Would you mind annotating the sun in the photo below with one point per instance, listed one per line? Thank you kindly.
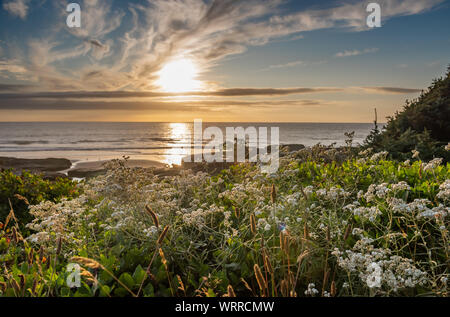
(179, 76)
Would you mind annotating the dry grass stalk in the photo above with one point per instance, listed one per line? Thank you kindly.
(237, 212)
(281, 241)
(87, 275)
(163, 235)
(181, 285)
(22, 281)
(347, 232)
(31, 256)
(163, 258)
(268, 265)
(302, 256)
(299, 263)
(253, 224)
(92, 264)
(246, 285)
(14, 235)
(34, 286)
(59, 246)
(153, 215)
(306, 232)
(273, 194)
(230, 292)
(284, 288)
(2, 287)
(10, 216)
(15, 285)
(20, 197)
(333, 289)
(325, 280)
(260, 278)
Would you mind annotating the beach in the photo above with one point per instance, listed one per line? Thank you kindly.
(61, 167)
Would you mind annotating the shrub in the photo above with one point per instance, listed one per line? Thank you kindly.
(30, 189)
(423, 125)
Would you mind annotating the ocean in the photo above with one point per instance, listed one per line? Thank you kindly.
(162, 142)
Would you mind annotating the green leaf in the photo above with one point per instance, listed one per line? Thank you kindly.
(127, 279)
(139, 274)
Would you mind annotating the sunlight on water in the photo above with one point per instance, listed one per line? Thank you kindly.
(180, 133)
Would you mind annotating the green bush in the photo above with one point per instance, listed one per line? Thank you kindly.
(30, 189)
(423, 125)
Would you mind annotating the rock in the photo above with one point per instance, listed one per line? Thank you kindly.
(35, 165)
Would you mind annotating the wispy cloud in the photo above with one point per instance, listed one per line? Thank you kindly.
(158, 105)
(348, 53)
(231, 92)
(17, 8)
(390, 90)
(162, 30)
(290, 64)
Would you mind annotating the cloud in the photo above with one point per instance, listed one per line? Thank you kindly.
(163, 30)
(291, 64)
(13, 87)
(17, 8)
(390, 90)
(156, 105)
(348, 53)
(12, 69)
(98, 19)
(230, 92)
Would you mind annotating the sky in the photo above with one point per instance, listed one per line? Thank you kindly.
(218, 60)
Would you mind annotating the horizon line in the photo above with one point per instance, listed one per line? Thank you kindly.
(275, 122)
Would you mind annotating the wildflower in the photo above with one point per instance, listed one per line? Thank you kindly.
(447, 147)
(401, 186)
(379, 156)
(311, 290)
(267, 227)
(444, 190)
(432, 164)
(374, 278)
(415, 154)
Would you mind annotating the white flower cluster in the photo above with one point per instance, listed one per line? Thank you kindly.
(333, 193)
(376, 191)
(366, 152)
(312, 291)
(444, 190)
(400, 186)
(432, 165)
(366, 213)
(379, 156)
(54, 220)
(199, 216)
(378, 267)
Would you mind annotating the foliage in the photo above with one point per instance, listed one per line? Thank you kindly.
(422, 125)
(25, 189)
(364, 227)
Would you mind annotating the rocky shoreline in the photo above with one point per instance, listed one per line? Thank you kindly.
(52, 168)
